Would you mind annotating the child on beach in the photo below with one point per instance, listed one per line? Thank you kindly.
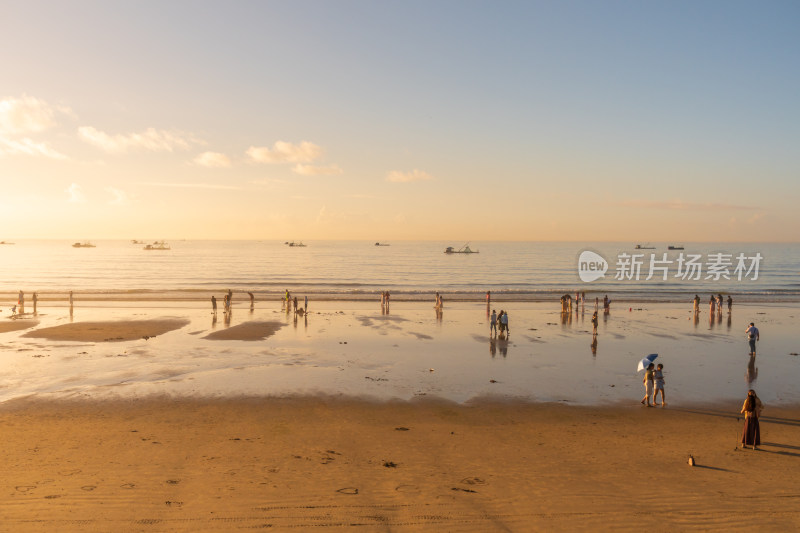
(658, 377)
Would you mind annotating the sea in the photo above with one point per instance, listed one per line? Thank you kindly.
(192, 270)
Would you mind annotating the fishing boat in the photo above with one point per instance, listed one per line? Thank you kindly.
(4, 242)
(85, 244)
(463, 250)
(644, 247)
(296, 244)
(157, 245)
(673, 247)
(381, 244)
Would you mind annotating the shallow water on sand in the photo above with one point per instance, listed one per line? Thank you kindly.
(356, 349)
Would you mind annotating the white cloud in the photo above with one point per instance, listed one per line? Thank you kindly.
(212, 160)
(120, 196)
(315, 170)
(679, 205)
(405, 177)
(75, 194)
(19, 116)
(27, 146)
(285, 152)
(151, 139)
(193, 186)
(24, 116)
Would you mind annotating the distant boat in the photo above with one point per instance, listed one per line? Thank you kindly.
(85, 244)
(157, 245)
(4, 242)
(295, 244)
(463, 250)
(671, 247)
(134, 241)
(381, 244)
(644, 247)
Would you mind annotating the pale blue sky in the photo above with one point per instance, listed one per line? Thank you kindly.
(674, 121)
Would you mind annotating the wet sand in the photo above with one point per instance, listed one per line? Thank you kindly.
(108, 331)
(344, 464)
(7, 326)
(248, 331)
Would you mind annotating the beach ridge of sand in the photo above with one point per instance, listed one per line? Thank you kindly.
(109, 331)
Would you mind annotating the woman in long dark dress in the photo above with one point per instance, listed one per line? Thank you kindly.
(751, 434)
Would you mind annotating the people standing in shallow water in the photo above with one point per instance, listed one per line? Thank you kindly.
(752, 337)
(493, 323)
(730, 303)
(504, 322)
(214, 304)
(752, 407)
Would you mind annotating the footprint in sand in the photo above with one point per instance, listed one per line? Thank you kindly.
(88, 488)
(25, 488)
(69, 472)
(348, 490)
(128, 486)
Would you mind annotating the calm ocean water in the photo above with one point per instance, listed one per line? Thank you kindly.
(523, 271)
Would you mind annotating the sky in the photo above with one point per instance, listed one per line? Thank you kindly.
(423, 120)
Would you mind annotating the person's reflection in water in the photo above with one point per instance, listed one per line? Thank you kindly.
(227, 318)
(492, 347)
(752, 371)
(502, 344)
(729, 321)
(305, 320)
(696, 320)
(594, 344)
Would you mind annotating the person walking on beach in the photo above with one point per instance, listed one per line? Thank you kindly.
(305, 303)
(214, 304)
(696, 303)
(493, 323)
(594, 323)
(658, 378)
(294, 301)
(711, 304)
(752, 407)
(730, 303)
(252, 299)
(35, 301)
(606, 304)
(648, 384)
(70, 303)
(504, 322)
(752, 337)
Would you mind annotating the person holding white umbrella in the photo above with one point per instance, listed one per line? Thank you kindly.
(648, 377)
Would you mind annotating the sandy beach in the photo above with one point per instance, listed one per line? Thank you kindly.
(344, 464)
(355, 417)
